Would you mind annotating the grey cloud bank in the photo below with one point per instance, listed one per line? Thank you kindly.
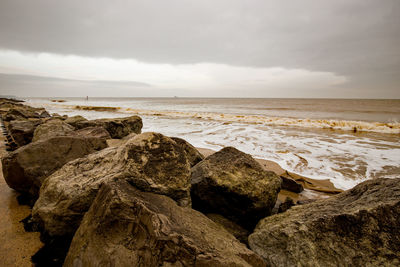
(359, 39)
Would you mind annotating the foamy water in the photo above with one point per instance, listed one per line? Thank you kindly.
(335, 139)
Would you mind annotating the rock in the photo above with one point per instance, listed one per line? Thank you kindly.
(291, 185)
(236, 230)
(117, 127)
(22, 130)
(287, 204)
(359, 227)
(126, 227)
(26, 168)
(129, 136)
(73, 121)
(52, 128)
(121, 127)
(194, 156)
(233, 184)
(44, 114)
(21, 112)
(150, 161)
(99, 132)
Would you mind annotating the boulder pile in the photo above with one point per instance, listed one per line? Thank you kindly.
(128, 227)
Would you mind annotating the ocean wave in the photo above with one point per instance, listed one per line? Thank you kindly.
(345, 125)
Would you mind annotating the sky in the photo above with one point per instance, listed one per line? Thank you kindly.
(187, 48)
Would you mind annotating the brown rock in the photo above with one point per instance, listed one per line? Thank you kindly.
(26, 168)
(74, 120)
(117, 127)
(194, 156)
(236, 230)
(150, 161)
(359, 227)
(233, 184)
(291, 185)
(99, 132)
(52, 128)
(22, 130)
(21, 112)
(126, 227)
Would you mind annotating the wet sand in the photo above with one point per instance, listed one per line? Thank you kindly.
(16, 245)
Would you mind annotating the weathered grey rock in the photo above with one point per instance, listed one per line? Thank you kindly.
(233, 184)
(74, 120)
(126, 227)
(194, 156)
(99, 132)
(22, 130)
(26, 168)
(236, 230)
(359, 227)
(52, 128)
(150, 161)
(117, 127)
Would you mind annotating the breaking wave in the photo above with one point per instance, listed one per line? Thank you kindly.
(345, 125)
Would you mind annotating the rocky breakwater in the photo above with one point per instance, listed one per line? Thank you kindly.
(127, 227)
(26, 168)
(139, 194)
(25, 124)
(149, 161)
(359, 227)
(44, 143)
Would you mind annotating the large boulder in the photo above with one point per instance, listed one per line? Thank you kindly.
(360, 227)
(233, 184)
(26, 168)
(117, 127)
(22, 130)
(194, 156)
(21, 112)
(74, 120)
(99, 132)
(52, 128)
(236, 230)
(150, 161)
(126, 227)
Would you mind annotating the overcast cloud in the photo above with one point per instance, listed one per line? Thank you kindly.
(294, 48)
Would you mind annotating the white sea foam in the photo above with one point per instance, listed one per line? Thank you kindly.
(345, 125)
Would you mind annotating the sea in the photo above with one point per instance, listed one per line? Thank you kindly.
(344, 140)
